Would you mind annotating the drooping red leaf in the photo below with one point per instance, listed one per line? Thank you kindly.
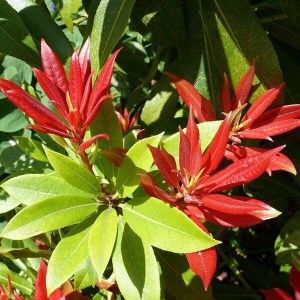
(243, 89)
(76, 82)
(40, 285)
(53, 68)
(103, 82)
(276, 294)
(51, 91)
(225, 96)
(202, 107)
(260, 105)
(277, 114)
(115, 155)
(279, 162)
(295, 280)
(165, 165)
(93, 139)
(48, 130)
(240, 172)
(279, 127)
(192, 134)
(215, 152)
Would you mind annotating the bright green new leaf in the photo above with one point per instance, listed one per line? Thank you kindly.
(31, 188)
(31, 147)
(17, 281)
(135, 266)
(138, 160)
(7, 203)
(85, 275)
(49, 214)
(110, 21)
(165, 227)
(102, 239)
(68, 256)
(207, 132)
(72, 172)
(69, 7)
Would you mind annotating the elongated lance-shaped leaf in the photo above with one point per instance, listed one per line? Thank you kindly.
(72, 172)
(102, 239)
(68, 255)
(110, 21)
(240, 172)
(138, 160)
(243, 89)
(276, 293)
(135, 266)
(49, 214)
(225, 95)
(177, 233)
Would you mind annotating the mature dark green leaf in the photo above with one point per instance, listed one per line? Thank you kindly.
(179, 280)
(49, 214)
(43, 26)
(161, 105)
(135, 266)
(15, 39)
(165, 227)
(70, 253)
(17, 281)
(73, 173)
(164, 19)
(69, 7)
(291, 7)
(102, 239)
(31, 188)
(138, 160)
(109, 25)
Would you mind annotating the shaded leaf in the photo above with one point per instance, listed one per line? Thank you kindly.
(69, 7)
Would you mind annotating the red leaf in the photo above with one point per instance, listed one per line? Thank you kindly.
(260, 105)
(240, 172)
(76, 82)
(202, 107)
(84, 60)
(277, 114)
(40, 285)
(115, 155)
(53, 68)
(166, 165)
(86, 96)
(192, 134)
(279, 127)
(253, 134)
(225, 96)
(52, 92)
(215, 152)
(295, 280)
(184, 153)
(91, 141)
(279, 162)
(48, 130)
(18, 297)
(103, 82)
(243, 88)
(276, 294)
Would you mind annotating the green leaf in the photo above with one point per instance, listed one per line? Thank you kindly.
(179, 280)
(31, 188)
(291, 7)
(43, 26)
(31, 147)
(102, 239)
(162, 104)
(7, 203)
(107, 122)
(69, 7)
(23, 253)
(72, 172)
(138, 160)
(15, 39)
(68, 255)
(85, 275)
(135, 266)
(165, 227)
(17, 281)
(49, 214)
(110, 21)
(207, 132)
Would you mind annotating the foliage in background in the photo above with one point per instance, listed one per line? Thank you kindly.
(197, 40)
